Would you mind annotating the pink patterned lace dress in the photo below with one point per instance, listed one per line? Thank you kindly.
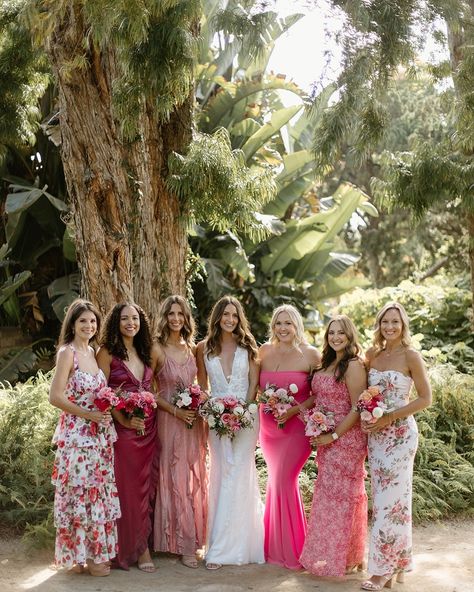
(285, 451)
(181, 496)
(86, 503)
(337, 527)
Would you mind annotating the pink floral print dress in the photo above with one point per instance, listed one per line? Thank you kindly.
(86, 503)
(391, 456)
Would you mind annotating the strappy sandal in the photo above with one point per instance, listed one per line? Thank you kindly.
(386, 581)
(213, 566)
(189, 561)
(147, 567)
(98, 570)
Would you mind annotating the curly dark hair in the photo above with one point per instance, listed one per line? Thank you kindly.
(111, 338)
(244, 338)
(352, 351)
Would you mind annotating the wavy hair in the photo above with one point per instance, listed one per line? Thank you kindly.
(296, 320)
(189, 326)
(112, 340)
(242, 331)
(378, 340)
(351, 351)
(76, 308)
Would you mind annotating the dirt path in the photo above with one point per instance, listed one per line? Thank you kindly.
(444, 556)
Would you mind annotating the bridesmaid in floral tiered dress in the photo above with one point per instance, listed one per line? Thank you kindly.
(393, 440)
(337, 527)
(125, 357)
(86, 501)
(181, 498)
(285, 359)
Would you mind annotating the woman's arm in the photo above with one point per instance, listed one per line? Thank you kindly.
(201, 366)
(356, 382)
(104, 359)
(254, 375)
(417, 369)
(57, 391)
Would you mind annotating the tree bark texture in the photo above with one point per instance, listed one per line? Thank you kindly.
(129, 230)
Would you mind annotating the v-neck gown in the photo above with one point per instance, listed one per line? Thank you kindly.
(136, 472)
(235, 519)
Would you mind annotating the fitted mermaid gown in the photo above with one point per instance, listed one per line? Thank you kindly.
(285, 451)
(235, 522)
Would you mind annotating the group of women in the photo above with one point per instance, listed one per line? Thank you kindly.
(120, 495)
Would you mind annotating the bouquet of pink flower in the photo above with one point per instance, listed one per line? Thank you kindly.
(106, 399)
(190, 397)
(371, 405)
(137, 404)
(228, 415)
(318, 421)
(277, 401)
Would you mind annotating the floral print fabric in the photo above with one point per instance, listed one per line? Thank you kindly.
(86, 502)
(391, 455)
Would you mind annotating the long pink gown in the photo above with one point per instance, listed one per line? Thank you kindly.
(181, 497)
(285, 451)
(337, 528)
(136, 471)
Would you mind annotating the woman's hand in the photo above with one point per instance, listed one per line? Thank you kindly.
(380, 424)
(288, 415)
(136, 423)
(186, 415)
(100, 417)
(322, 440)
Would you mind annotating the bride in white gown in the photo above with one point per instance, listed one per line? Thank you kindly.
(227, 359)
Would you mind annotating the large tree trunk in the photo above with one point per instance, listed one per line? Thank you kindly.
(129, 230)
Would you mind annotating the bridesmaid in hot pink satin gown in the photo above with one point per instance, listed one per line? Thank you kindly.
(285, 359)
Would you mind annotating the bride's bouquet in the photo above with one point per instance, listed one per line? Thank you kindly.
(137, 404)
(277, 400)
(318, 421)
(371, 405)
(227, 416)
(190, 397)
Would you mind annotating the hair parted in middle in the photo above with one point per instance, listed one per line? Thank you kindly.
(352, 350)
(189, 326)
(245, 338)
(111, 337)
(74, 311)
(378, 340)
(296, 320)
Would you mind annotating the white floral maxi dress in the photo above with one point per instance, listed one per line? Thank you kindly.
(391, 453)
(86, 502)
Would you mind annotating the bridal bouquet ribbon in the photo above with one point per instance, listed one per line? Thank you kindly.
(137, 404)
(190, 397)
(371, 405)
(277, 400)
(227, 416)
(318, 421)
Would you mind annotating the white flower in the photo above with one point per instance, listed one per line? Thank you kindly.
(269, 392)
(252, 408)
(219, 407)
(291, 399)
(238, 410)
(281, 392)
(377, 412)
(211, 421)
(293, 388)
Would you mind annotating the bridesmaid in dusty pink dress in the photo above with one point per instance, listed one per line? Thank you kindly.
(337, 527)
(285, 359)
(181, 497)
(125, 357)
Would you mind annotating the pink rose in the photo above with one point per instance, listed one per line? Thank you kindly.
(366, 416)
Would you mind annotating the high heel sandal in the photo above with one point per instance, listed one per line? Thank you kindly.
(401, 577)
(352, 569)
(386, 581)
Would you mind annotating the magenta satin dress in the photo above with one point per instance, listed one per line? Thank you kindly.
(136, 472)
(337, 527)
(285, 451)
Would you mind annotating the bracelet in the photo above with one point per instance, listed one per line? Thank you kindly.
(354, 408)
(174, 411)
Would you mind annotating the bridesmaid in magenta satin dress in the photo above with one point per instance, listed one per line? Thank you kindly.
(285, 359)
(125, 357)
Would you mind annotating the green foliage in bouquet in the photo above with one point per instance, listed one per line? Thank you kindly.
(27, 423)
(439, 317)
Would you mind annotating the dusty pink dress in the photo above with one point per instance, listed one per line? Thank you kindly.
(136, 465)
(181, 497)
(337, 528)
(285, 451)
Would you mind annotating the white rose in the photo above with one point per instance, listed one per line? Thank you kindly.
(377, 412)
(211, 421)
(238, 410)
(293, 388)
(269, 392)
(219, 407)
(252, 408)
(291, 399)
(186, 400)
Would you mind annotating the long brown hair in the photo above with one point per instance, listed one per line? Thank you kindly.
(351, 351)
(76, 308)
(189, 327)
(112, 340)
(242, 331)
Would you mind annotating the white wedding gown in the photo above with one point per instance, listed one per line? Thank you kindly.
(235, 519)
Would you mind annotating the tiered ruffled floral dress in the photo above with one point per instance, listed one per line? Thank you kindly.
(86, 502)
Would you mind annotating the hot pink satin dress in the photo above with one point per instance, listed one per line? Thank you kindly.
(285, 451)
(136, 472)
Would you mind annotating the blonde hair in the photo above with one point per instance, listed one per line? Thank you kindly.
(189, 327)
(378, 340)
(296, 320)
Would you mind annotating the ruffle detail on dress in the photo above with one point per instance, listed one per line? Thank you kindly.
(83, 467)
(86, 507)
